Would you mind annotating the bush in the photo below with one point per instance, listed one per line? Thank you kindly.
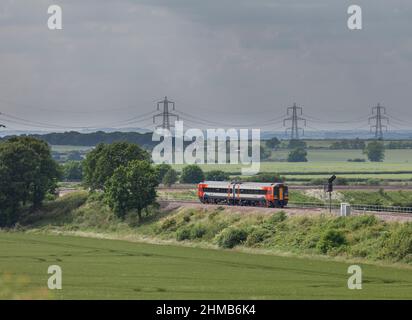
(298, 155)
(357, 160)
(192, 174)
(231, 237)
(168, 224)
(197, 231)
(170, 178)
(373, 182)
(277, 217)
(399, 243)
(217, 175)
(257, 236)
(266, 177)
(183, 234)
(331, 239)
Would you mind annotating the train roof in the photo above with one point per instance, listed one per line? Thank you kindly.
(245, 184)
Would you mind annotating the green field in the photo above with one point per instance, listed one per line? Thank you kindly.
(67, 148)
(316, 167)
(109, 269)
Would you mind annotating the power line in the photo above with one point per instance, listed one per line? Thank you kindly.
(378, 113)
(294, 118)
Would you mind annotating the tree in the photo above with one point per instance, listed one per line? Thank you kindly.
(297, 155)
(132, 187)
(170, 177)
(27, 173)
(273, 143)
(72, 171)
(192, 174)
(375, 151)
(217, 175)
(162, 169)
(265, 153)
(101, 163)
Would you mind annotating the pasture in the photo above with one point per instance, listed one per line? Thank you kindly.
(111, 269)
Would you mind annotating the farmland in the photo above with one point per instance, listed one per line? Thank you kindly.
(108, 269)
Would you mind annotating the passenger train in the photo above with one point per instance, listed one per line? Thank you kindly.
(274, 195)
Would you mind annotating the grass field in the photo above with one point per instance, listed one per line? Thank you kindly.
(68, 148)
(109, 269)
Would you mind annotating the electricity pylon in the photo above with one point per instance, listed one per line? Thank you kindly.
(378, 113)
(165, 114)
(294, 118)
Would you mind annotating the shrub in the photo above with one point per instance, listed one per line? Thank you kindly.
(277, 217)
(257, 236)
(231, 237)
(362, 221)
(197, 231)
(192, 174)
(168, 224)
(398, 244)
(183, 234)
(331, 239)
(217, 175)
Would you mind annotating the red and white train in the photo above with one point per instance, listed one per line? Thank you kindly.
(244, 193)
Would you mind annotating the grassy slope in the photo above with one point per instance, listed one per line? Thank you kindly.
(102, 269)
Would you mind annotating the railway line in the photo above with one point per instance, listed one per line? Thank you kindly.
(292, 209)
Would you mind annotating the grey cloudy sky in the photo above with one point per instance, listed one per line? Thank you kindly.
(225, 61)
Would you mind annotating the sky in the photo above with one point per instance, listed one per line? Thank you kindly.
(223, 63)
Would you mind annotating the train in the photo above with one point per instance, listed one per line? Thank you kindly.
(271, 195)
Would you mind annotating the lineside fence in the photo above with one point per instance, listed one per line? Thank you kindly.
(356, 207)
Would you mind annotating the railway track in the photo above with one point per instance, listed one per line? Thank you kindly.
(296, 209)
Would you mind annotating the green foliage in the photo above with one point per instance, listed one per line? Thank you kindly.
(273, 143)
(27, 173)
(257, 236)
(161, 170)
(375, 151)
(298, 155)
(348, 144)
(192, 174)
(265, 177)
(183, 234)
(101, 163)
(357, 160)
(170, 177)
(132, 187)
(331, 239)
(217, 175)
(399, 245)
(277, 217)
(231, 237)
(72, 171)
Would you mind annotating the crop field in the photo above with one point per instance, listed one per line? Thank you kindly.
(68, 148)
(109, 269)
(318, 167)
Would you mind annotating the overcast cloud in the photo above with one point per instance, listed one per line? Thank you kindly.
(229, 61)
